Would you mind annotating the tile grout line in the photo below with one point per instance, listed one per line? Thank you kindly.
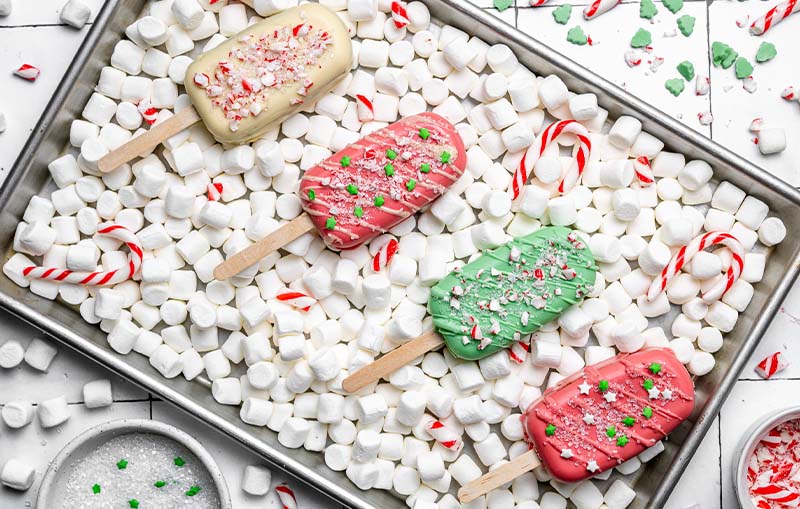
(708, 61)
(39, 25)
(719, 458)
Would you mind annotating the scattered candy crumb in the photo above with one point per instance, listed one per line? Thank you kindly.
(766, 52)
(675, 86)
(641, 39)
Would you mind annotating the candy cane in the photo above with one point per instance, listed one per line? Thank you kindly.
(364, 109)
(385, 255)
(215, 191)
(28, 72)
(519, 352)
(599, 7)
(399, 15)
(444, 436)
(773, 16)
(111, 277)
(778, 494)
(537, 3)
(771, 365)
(297, 300)
(286, 494)
(643, 171)
(687, 252)
(536, 150)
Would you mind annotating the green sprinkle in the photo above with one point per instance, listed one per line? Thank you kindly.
(641, 39)
(424, 134)
(603, 385)
(675, 86)
(655, 367)
(358, 212)
(766, 52)
(379, 201)
(352, 189)
(562, 13)
(179, 461)
(445, 157)
(502, 5)
(629, 421)
(577, 36)
(648, 384)
(96, 489)
(133, 503)
(345, 161)
(330, 224)
(160, 484)
(622, 441)
(722, 55)
(391, 154)
(550, 430)
(686, 69)
(673, 6)
(686, 24)
(743, 68)
(389, 169)
(192, 491)
(425, 168)
(411, 184)
(312, 195)
(647, 9)
(611, 431)
(122, 464)
(647, 412)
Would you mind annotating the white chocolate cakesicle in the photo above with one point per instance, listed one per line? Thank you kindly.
(267, 72)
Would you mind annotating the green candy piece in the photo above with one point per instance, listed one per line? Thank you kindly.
(743, 68)
(655, 368)
(180, 461)
(96, 489)
(603, 386)
(562, 13)
(673, 6)
(133, 503)
(502, 5)
(425, 168)
(379, 201)
(160, 484)
(576, 36)
(641, 39)
(629, 421)
(501, 295)
(550, 430)
(345, 161)
(358, 212)
(622, 441)
(312, 195)
(686, 69)
(686, 24)
(391, 154)
(675, 86)
(352, 189)
(330, 224)
(122, 464)
(192, 491)
(424, 133)
(648, 384)
(445, 157)
(411, 184)
(766, 52)
(611, 431)
(647, 412)
(389, 169)
(722, 55)
(647, 9)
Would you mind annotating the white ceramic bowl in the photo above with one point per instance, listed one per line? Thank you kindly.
(748, 444)
(94, 437)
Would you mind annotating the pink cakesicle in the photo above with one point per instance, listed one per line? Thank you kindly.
(599, 418)
(375, 183)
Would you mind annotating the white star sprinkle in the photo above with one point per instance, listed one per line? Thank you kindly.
(592, 466)
(666, 394)
(584, 387)
(610, 396)
(566, 453)
(654, 393)
(588, 419)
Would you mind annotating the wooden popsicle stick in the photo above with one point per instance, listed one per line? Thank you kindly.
(392, 361)
(149, 140)
(272, 242)
(499, 476)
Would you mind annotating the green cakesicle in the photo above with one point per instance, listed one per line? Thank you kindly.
(511, 291)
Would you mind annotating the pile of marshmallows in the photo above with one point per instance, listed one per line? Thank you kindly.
(295, 360)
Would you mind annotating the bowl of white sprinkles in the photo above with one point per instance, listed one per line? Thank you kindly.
(134, 463)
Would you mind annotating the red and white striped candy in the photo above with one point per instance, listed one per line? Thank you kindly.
(789, 93)
(778, 494)
(772, 364)
(687, 252)
(773, 16)
(286, 494)
(519, 352)
(385, 255)
(215, 191)
(149, 113)
(364, 109)
(296, 299)
(535, 151)
(537, 3)
(444, 436)
(643, 171)
(399, 14)
(28, 72)
(772, 439)
(110, 277)
(599, 7)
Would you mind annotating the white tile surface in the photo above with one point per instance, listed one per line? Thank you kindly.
(705, 482)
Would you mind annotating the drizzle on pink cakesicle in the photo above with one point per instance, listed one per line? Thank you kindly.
(375, 183)
(609, 413)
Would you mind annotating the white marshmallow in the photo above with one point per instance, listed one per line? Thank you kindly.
(771, 232)
(727, 197)
(40, 354)
(553, 92)
(772, 140)
(17, 414)
(17, 475)
(53, 412)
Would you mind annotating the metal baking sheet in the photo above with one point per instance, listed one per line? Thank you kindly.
(653, 483)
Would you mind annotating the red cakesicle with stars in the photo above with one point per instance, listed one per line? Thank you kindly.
(599, 418)
(369, 186)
